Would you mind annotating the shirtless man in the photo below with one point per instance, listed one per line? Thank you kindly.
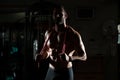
(62, 45)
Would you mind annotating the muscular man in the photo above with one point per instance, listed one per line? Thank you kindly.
(62, 45)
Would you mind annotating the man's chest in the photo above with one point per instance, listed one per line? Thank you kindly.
(58, 41)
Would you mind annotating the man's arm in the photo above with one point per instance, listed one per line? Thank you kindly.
(45, 51)
(80, 53)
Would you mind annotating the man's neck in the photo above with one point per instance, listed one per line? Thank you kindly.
(60, 28)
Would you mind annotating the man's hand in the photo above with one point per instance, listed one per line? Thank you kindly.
(64, 57)
(61, 61)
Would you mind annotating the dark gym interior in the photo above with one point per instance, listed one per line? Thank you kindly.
(23, 24)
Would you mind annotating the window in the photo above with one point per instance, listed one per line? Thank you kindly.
(85, 12)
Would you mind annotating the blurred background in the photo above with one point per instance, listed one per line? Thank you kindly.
(23, 24)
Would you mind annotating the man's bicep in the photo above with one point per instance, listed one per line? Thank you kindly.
(79, 45)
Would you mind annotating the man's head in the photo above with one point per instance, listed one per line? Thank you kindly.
(59, 15)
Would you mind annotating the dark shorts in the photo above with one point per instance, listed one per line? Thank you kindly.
(63, 74)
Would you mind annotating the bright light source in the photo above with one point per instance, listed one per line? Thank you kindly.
(118, 28)
(118, 33)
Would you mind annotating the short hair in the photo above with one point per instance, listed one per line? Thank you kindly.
(60, 8)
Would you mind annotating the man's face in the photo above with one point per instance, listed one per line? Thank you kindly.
(58, 16)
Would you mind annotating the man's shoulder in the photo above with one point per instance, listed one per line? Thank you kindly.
(72, 30)
(49, 31)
